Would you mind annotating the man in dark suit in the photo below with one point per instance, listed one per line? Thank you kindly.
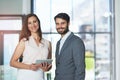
(70, 52)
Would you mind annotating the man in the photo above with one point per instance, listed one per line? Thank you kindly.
(70, 52)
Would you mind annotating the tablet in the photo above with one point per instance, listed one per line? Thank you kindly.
(49, 61)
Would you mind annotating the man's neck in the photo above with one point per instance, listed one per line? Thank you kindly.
(62, 35)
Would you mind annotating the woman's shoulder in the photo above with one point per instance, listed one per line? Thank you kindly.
(46, 41)
(22, 42)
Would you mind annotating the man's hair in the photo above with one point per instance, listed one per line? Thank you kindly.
(64, 16)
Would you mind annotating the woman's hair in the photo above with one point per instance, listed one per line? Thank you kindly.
(25, 33)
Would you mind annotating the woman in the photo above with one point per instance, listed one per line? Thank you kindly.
(31, 47)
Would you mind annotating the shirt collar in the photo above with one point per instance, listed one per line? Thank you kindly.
(65, 36)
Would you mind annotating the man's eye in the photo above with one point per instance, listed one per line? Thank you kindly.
(63, 23)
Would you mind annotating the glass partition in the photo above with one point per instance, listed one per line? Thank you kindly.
(91, 22)
(10, 27)
(10, 23)
(10, 42)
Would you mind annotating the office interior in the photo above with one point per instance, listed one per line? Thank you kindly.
(96, 22)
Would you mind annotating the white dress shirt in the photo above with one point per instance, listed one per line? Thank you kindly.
(63, 40)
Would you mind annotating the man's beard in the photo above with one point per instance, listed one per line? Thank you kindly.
(64, 32)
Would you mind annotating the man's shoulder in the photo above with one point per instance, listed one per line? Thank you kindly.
(75, 37)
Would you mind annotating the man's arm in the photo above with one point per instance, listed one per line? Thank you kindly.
(79, 59)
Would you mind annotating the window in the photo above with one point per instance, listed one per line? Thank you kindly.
(10, 26)
(90, 21)
(10, 23)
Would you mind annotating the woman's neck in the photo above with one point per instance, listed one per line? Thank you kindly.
(35, 36)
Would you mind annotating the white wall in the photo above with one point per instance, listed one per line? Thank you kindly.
(14, 7)
(117, 35)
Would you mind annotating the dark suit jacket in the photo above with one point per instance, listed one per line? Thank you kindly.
(70, 64)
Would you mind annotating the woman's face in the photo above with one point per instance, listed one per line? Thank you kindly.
(33, 24)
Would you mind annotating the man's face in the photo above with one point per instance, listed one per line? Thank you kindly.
(61, 26)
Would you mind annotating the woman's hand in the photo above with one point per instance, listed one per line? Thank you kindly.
(45, 66)
(34, 67)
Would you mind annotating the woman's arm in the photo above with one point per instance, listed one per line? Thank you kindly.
(14, 62)
(50, 51)
(50, 56)
(17, 54)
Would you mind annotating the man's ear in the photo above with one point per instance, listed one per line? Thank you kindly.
(68, 23)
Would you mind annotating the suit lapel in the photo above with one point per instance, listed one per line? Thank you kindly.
(67, 41)
(57, 49)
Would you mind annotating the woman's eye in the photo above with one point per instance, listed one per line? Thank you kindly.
(29, 23)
